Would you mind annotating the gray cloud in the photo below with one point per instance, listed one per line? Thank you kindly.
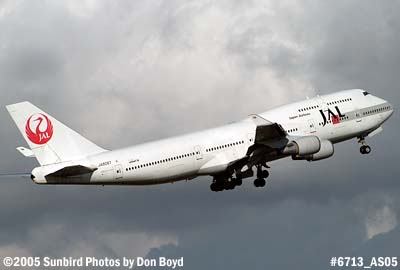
(127, 72)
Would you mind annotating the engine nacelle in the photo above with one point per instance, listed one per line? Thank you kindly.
(303, 146)
(327, 150)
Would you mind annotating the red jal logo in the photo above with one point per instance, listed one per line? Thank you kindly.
(39, 128)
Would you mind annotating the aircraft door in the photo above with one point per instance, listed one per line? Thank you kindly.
(118, 171)
(311, 124)
(358, 116)
(197, 151)
(359, 122)
(250, 138)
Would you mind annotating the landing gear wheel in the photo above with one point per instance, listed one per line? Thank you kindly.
(260, 182)
(214, 187)
(255, 182)
(264, 174)
(365, 149)
(229, 185)
(238, 182)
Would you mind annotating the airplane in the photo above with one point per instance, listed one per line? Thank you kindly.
(305, 130)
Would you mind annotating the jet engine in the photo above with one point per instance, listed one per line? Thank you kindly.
(326, 151)
(303, 146)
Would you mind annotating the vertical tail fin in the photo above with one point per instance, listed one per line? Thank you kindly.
(50, 140)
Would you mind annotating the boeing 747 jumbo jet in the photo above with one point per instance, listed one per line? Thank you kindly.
(305, 130)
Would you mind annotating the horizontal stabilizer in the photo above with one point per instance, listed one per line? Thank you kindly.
(25, 151)
(72, 171)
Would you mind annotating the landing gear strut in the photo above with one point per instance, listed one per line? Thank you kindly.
(364, 148)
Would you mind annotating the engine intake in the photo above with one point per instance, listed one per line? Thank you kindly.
(327, 150)
(303, 146)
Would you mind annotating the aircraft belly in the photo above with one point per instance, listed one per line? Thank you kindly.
(218, 164)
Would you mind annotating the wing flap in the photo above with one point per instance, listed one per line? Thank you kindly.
(266, 133)
(266, 130)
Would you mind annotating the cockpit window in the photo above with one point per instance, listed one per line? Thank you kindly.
(365, 93)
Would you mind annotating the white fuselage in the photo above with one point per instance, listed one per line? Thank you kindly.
(209, 152)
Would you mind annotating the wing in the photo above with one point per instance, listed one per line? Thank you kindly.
(269, 137)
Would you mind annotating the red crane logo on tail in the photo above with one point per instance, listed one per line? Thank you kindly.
(39, 128)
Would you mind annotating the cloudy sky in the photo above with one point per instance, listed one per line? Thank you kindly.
(126, 72)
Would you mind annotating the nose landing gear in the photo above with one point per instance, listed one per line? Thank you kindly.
(365, 149)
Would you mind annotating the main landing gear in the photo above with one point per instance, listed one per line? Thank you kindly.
(261, 176)
(225, 182)
(365, 149)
